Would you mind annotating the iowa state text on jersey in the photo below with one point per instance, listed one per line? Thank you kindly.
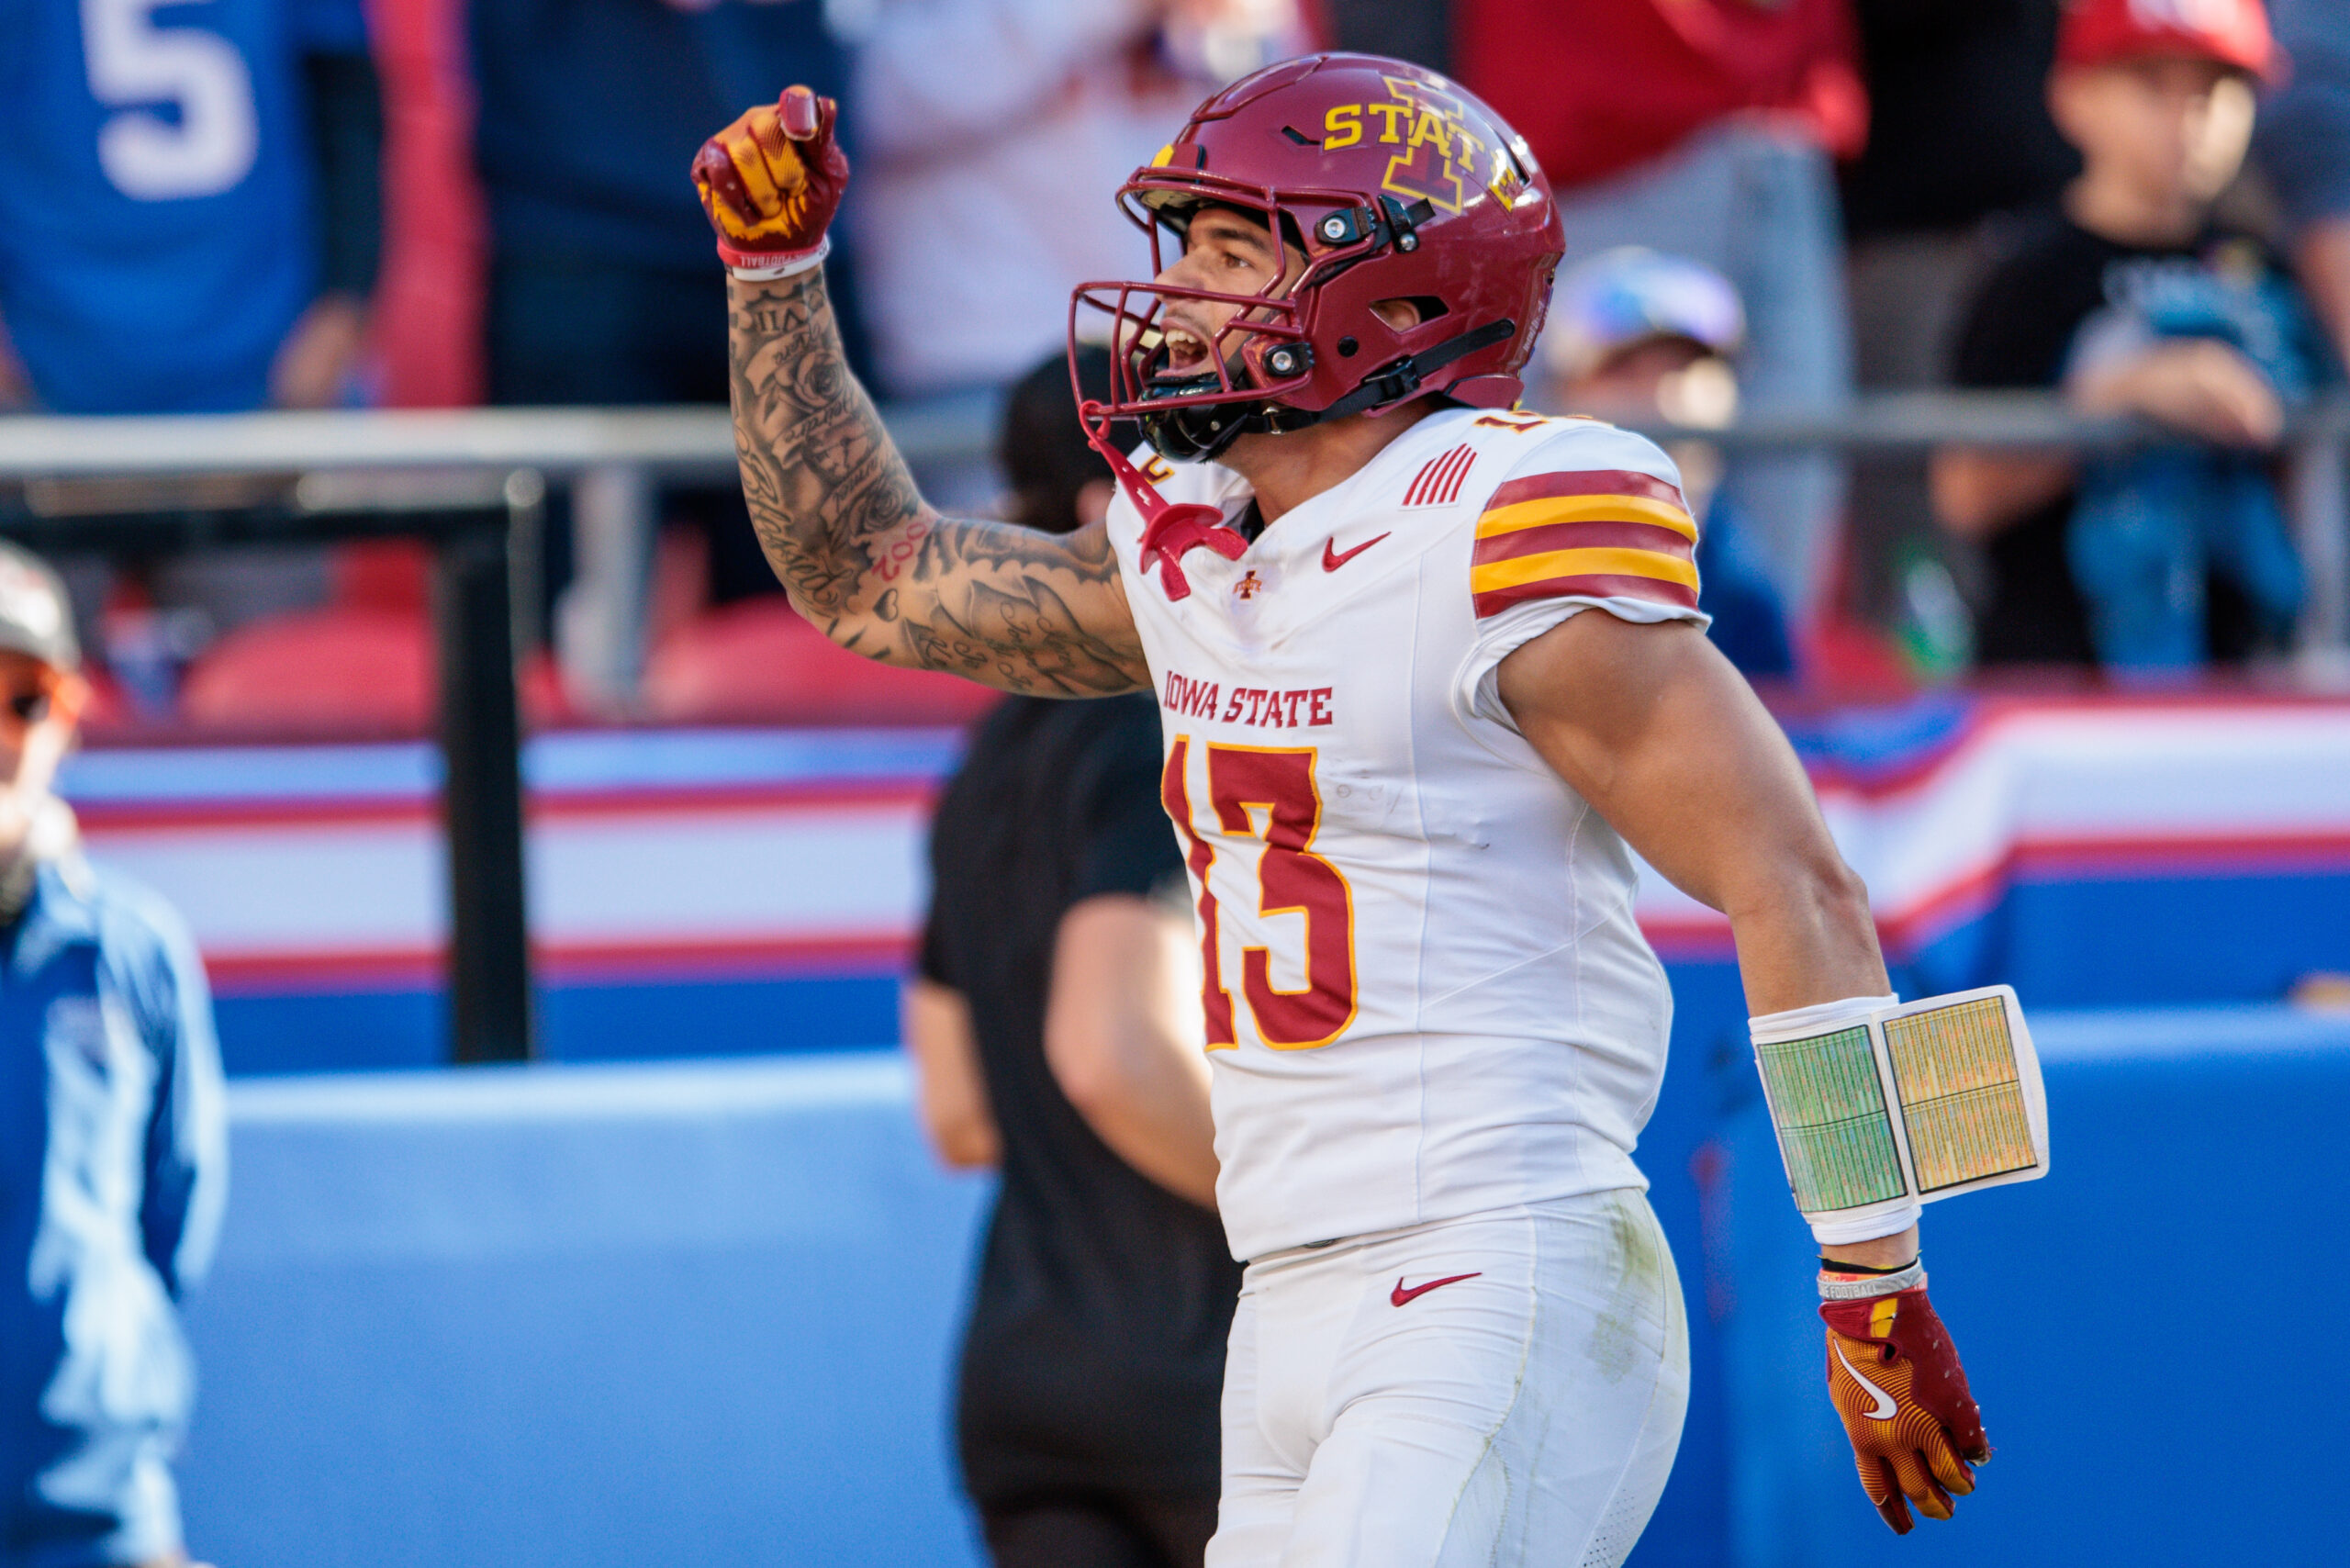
(1297, 708)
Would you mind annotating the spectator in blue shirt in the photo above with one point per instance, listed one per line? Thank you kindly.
(190, 223)
(190, 214)
(113, 1145)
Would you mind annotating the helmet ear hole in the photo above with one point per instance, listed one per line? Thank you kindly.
(1406, 311)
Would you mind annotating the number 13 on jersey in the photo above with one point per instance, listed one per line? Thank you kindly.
(1292, 879)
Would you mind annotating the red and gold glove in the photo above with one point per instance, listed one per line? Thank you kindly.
(771, 183)
(1893, 1377)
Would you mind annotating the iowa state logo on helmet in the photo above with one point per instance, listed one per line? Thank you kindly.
(1438, 157)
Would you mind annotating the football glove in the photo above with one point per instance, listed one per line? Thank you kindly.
(1893, 1377)
(772, 181)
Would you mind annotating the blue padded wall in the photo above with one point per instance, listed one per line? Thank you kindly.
(2149, 1330)
(576, 1316)
(705, 1312)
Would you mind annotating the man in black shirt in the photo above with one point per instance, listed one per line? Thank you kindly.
(1055, 1030)
(2162, 112)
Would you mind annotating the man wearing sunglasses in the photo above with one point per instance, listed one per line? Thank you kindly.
(113, 1143)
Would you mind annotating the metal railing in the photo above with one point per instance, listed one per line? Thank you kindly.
(473, 519)
(471, 481)
(2316, 452)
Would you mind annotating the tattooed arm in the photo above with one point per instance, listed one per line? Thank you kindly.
(834, 508)
(866, 559)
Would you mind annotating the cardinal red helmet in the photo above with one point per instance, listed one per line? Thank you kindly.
(1394, 184)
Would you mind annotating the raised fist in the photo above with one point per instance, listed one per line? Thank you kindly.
(772, 181)
(1893, 1377)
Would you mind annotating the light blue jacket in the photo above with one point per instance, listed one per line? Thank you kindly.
(113, 1169)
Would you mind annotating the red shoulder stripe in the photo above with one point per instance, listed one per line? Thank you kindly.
(1586, 481)
(1583, 536)
(1654, 589)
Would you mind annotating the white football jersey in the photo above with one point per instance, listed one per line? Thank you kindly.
(1425, 994)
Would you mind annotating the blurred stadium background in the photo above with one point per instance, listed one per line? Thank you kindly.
(662, 1272)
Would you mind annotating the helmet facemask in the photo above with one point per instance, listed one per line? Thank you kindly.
(1261, 373)
(1259, 355)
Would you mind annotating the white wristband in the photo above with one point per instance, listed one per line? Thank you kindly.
(1846, 1232)
(1868, 1287)
(790, 267)
(1798, 1022)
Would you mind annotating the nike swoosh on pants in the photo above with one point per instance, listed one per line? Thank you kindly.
(1401, 1297)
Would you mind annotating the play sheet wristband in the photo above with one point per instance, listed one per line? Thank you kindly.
(1883, 1106)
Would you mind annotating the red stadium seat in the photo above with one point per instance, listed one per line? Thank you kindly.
(383, 574)
(758, 661)
(368, 669)
(346, 669)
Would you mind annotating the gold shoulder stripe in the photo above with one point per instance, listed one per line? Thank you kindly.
(1618, 563)
(1586, 508)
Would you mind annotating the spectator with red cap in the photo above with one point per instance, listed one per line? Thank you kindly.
(1705, 128)
(2130, 300)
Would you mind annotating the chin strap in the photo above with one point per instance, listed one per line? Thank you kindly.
(1383, 388)
(1168, 529)
(1171, 529)
(1400, 380)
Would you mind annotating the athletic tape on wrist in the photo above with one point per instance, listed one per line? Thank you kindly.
(786, 266)
(1834, 1286)
(1881, 1107)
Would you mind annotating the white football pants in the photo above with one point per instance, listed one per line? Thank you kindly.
(1524, 1414)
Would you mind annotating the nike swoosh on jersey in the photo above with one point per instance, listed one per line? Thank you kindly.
(1885, 1409)
(1333, 558)
(1401, 1297)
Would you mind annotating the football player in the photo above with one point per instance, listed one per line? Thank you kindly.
(1404, 760)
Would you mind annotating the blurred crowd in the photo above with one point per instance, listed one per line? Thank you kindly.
(2143, 203)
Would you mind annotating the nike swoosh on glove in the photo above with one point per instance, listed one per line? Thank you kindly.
(1893, 1377)
(772, 180)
